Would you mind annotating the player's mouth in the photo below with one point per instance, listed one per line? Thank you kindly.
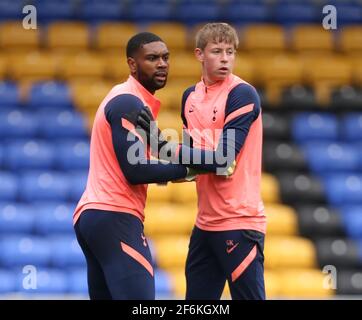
(223, 69)
(161, 76)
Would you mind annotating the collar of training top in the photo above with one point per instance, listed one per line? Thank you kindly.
(151, 101)
(216, 85)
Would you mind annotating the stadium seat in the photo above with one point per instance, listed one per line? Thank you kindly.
(264, 38)
(173, 34)
(352, 127)
(269, 188)
(298, 97)
(53, 218)
(72, 154)
(113, 36)
(33, 66)
(349, 13)
(1, 156)
(244, 12)
(18, 251)
(44, 186)
(298, 188)
(11, 9)
(300, 283)
(163, 284)
(13, 36)
(48, 282)
(49, 11)
(9, 95)
(275, 125)
(319, 221)
(244, 67)
(171, 251)
(7, 281)
(290, 13)
(150, 11)
(9, 186)
(312, 38)
(272, 286)
(314, 126)
(183, 193)
(338, 252)
(192, 71)
(158, 193)
(349, 282)
(66, 252)
(71, 36)
(280, 155)
(282, 220)
(62, 124)
(169, 219)
(289, 252)
(170, 124)
(3, 66)
(96, 11)
(324, 157)
(54, 95)
(77, 281)
(18, 124)
(352, 220)
(78, 182)
(16, 218)
(343, 188)
(346, 97)
(189, 12)
(30, 154)
(350, 39)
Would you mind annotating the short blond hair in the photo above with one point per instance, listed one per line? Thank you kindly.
(216, 32)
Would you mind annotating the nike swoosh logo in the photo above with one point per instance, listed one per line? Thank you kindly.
(228, 250)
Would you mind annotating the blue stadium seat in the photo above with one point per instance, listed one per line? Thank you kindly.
(72, 154)
(163, 284)
(240, 12)
(352, 219)
(66, 252)
(52, 95)
(1, 157)
(190, 12)
(146, 12)
(78, 182)
(54, 218)
(348, 13)
(288, 12)
(48, 281)
(342, 189)
(18, 124)
(9, 95)
(7, 282)
(16, 218)
(98, 11)
(54, 10)
(325, 157)
(11, 9)
(62, 124)
(314, 126)
(44, 186)
(77, 281)
(9, 186)
(352, 127)
(24, 250)
(31, 154)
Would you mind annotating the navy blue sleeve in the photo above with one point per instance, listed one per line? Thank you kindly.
(137, 169)
(186, 138)
(233, 136)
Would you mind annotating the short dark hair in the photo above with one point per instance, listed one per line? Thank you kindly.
(138, 40)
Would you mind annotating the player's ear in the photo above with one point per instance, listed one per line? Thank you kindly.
(199, 54)
(132, 65)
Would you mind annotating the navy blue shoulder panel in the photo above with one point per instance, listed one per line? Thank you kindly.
(184, 98)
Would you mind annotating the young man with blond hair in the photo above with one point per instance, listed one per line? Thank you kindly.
(227, 242)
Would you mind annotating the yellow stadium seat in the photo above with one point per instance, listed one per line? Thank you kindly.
(68, 36)
(88, 96)
(3, 64)
(168, 219)
(282, 220)
(269, 188)
(289, 252)
(178, 282)
(174, 35)
(114, 36)
(170, 124)
(13, 36)
(263, 38)
(171, 95)
(184, 193)
(186, 66)
(116, 67)
(356, 63)
(171, 251)
(158, 193)
(83, 65)
(244, 67)
(312, 38)
(351, 39)
(303, 284)
(33, 66)
(272, 285)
